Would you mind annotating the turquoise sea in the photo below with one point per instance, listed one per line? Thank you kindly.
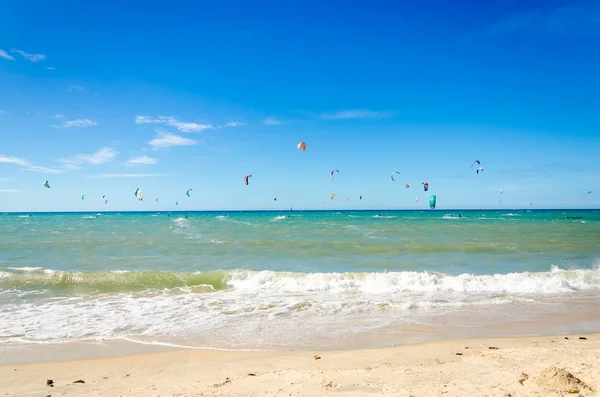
(268, 280)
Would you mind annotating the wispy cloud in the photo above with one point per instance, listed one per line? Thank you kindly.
(74, 123)
(29, 57)
(1, 112)
(357, 114)
(6, 55)
(10, 191)
(102, 156)
(49, 68)
(164, 140)
(570, 19)
(234, 124)
(27, 165)
(76, 88)
(125, 175)
(171, 121)
(141, 160)
(272, 121)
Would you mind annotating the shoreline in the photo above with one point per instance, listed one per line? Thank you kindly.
(541, 319)
(455, 367)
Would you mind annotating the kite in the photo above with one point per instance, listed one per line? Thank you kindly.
(105, 201)
(246, 178)
(501, 190)
(138, 194)
(432, 200)
(82, 197)
(473, 163)
(392, 176)
(589, 192)
(425, 186)
(347, 198)
(47, 184)
(332, 196)
(480, 169)
(406, 185)
(176, 202)
(302, 145)
(331, 173)
(360, 197)
(188, 192)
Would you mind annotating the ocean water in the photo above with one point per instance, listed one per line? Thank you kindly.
(269, 280)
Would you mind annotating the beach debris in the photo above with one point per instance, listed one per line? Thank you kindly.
(523, 378)
(493, 348)
(188, 192)
(559, 380)
(225, 382)
(251, 374)
(566, 337)
(582, 338)
(50, 382)
(79, 381)
(425, 186)
(459, 354)
(47, 184)
(328, 385)
(246, 178)
(317, 357)
(392, 176)
(475, 161)
(302, 146)
(331, 173)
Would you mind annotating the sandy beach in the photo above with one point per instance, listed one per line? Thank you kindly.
(561, 365)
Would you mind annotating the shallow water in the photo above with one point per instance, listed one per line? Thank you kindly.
(292, 279)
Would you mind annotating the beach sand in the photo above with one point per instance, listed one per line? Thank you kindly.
(523, 366)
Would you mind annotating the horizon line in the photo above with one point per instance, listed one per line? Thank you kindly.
(303, 210)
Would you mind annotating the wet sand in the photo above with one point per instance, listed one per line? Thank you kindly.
(556, 365)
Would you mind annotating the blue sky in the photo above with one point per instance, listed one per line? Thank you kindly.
(101, 99)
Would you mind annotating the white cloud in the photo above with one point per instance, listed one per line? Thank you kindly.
(30, 57)
(76, 88)
(272, 121)
(50, 68)
(10, 191)
(27, 165)
(182, 126)
(235, 124)
(102, 156)
(5, 55)
(141, 160)
(356, 114)
(164, 140)
(74, 123)
(125, 175)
